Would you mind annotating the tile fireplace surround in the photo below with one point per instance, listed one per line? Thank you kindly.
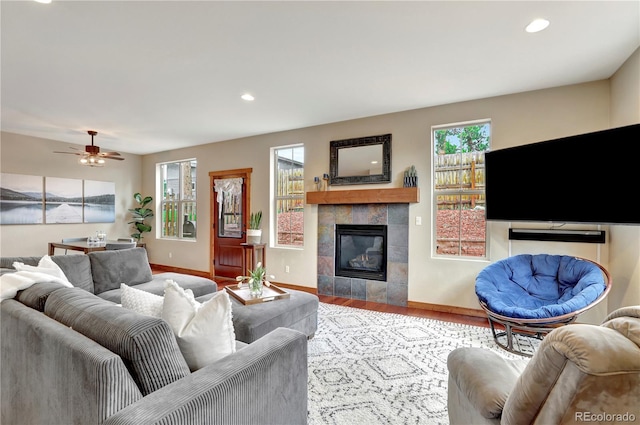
(392, 291)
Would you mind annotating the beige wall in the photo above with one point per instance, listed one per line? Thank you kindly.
(625, 92)
(516, 119)
(34, 156)
(625, 240)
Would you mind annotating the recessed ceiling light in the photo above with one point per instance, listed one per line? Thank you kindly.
(44, 1)
(537, 25)
(247, 97)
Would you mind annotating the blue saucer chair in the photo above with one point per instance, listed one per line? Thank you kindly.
(533, 294)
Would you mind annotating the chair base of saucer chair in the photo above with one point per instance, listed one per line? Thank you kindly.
(513, 329)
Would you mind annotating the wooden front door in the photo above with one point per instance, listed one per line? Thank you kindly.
(230, 199)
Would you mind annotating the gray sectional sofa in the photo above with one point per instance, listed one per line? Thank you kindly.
(102, 272)
(73, 356)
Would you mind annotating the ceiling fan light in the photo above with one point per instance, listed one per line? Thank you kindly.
(91, 156)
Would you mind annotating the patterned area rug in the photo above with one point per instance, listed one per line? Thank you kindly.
(374, 368)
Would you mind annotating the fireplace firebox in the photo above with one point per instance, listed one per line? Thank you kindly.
(361, 251)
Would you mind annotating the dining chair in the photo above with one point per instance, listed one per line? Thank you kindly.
(119, 245)
(126, 240)
(69, 240)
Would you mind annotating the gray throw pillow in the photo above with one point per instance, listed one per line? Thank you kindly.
(77, 269)
(7, 262)
(36, 295)
(146, 344)
(113, 267)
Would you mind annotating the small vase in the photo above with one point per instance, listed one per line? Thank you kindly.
(410, 182)
(255, 288)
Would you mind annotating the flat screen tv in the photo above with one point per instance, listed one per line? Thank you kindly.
(587, 178)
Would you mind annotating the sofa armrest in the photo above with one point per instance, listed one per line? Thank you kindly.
(484, 378)
(52, 374)
(263, 383)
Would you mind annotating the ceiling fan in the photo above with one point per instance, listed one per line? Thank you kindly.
(92, 155)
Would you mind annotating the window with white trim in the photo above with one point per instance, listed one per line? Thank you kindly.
(458, 189)
(288, 202)
(178, 216)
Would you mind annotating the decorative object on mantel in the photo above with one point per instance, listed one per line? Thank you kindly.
(360, 161)
(316, 181)
(92, 155)
(410, 177)
(139, 215)
(325, 177)
(254, 233)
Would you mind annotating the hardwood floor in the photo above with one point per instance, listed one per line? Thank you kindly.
(409, 311)
(367, 305)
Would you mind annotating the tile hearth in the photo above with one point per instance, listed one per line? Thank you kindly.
(394, 290)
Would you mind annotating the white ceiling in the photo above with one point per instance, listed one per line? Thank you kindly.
(151, 76)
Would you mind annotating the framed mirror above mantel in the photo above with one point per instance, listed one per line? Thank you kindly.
(361, 160)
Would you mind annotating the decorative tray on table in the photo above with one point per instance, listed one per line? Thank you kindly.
(269, 293)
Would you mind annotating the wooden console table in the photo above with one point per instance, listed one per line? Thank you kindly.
(252, 254)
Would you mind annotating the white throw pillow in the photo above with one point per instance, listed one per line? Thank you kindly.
(204, 331)
(142, 302)
(46, 265)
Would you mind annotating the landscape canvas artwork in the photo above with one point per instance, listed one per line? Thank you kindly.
(63, 200)
(99, 202)
(21, 200)
(28, 199)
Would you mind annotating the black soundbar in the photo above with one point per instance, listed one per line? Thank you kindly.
(557, 235)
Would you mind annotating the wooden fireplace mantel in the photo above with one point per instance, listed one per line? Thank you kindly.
(400, 195)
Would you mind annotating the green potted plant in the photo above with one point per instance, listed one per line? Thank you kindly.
(254, 233)
(139, 215)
